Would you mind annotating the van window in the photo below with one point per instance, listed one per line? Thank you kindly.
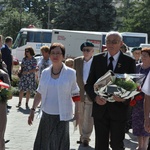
(133, 41)
(39, 37)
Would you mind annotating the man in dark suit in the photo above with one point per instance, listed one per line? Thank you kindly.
(6, 54)
(109, 117)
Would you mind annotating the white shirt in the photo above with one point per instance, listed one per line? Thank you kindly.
(146, 85)
(86, 69)
(116, 57)
(51, 102)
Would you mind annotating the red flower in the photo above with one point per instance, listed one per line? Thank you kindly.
(133, 102)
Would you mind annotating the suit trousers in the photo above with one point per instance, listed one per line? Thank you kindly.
(86, 120)
(107, 129)
(3, 118)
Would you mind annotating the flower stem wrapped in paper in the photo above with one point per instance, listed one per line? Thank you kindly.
(122, 85)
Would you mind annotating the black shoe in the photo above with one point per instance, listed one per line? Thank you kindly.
(79, 142)
(85, 143)
(7, 141)
(9, 107)
(19, 104)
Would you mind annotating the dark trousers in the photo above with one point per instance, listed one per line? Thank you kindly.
(107, 128)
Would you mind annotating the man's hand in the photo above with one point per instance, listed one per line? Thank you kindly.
(100, 100)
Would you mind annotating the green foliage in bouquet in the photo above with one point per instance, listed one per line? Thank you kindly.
(128, 85)
(5, 94)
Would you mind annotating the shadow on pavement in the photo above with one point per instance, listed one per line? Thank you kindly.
(24, 111)
(131, 142)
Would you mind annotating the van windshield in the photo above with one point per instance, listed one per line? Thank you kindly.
(20, 40)
(131, 41)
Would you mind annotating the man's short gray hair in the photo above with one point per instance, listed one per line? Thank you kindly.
(114, 33)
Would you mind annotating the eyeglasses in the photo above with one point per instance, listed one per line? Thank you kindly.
(26, 51)
(145, 55)
(55, 54)
(112, 42)
(86, 50)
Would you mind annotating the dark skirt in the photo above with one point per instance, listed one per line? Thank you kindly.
(52, 134)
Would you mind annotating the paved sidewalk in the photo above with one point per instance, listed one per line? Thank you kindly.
(22, 136)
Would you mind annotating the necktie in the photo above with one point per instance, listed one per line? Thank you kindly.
(110, 66)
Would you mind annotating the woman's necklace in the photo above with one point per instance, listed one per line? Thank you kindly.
(57, 72)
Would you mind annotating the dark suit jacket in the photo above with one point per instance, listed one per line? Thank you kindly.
(125, 64)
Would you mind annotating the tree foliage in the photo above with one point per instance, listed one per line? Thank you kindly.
(136, 17)
(96, 15)
(12, 21)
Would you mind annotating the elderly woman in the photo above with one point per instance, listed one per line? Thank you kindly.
(57, 89)
(138, 109)
(27, 81)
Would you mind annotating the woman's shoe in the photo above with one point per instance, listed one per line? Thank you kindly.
(27, 105)
(19, 104)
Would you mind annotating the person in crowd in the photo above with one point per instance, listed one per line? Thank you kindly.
(45, 61)
(6, 54)
(136, 53)
(27, 81)
(125, 49)
(1, 41)
(82, 66)
(57, 89)
(109, 117)
(146, 90)
(138, 109)
(3, 106)
(69, 62)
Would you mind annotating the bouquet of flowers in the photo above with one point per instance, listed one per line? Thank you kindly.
(5, 93)
(121, 85)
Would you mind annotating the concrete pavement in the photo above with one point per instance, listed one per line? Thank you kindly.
(22, 136)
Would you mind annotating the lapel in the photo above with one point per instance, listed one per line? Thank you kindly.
(105, 62)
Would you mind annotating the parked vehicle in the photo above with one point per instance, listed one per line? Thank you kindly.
(73, 40)
(30, 37)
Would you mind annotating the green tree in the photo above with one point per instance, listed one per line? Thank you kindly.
(12, 21)
(136, 18)
(95, 15)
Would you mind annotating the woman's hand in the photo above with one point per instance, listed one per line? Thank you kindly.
(77, 117)
(100, 100)
(147, 125)
(31, 117)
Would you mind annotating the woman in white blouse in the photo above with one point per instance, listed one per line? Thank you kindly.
(57, 89)
(146, 90)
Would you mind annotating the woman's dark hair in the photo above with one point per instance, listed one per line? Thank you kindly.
(62, 47)
(31, 50)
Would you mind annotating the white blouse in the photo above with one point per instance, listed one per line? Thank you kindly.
(65, 89)
(146, 85)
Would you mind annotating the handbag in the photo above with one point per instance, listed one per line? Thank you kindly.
(20, 73)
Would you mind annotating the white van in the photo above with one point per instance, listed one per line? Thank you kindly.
(33, 37)
(72, 40)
